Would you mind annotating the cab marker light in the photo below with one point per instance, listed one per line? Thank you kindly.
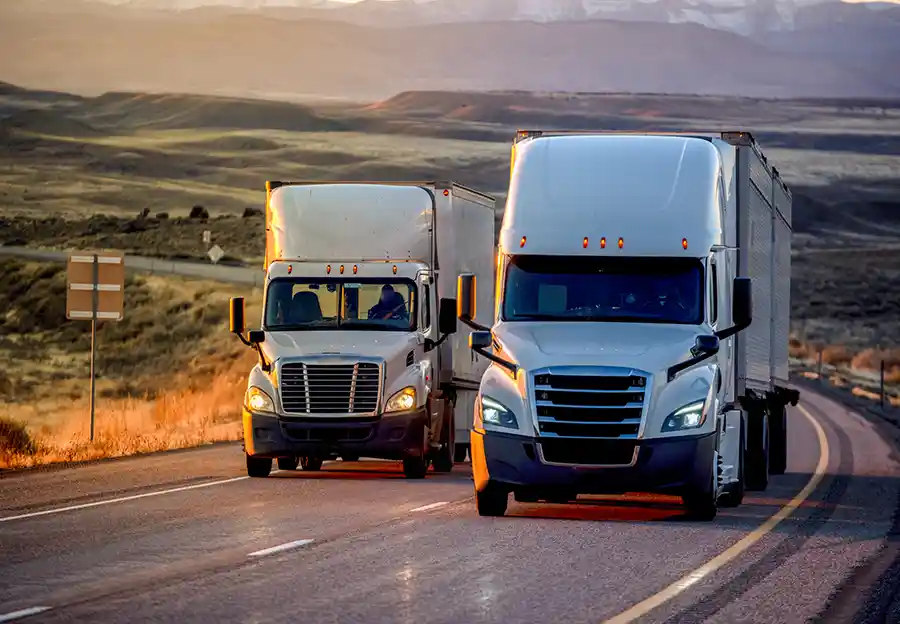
(621, 243)
(684, 243)
(584, 243)
(603, 243)
(328, 269)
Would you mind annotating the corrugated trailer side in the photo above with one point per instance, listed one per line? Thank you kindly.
(781, 317)
(756, 261)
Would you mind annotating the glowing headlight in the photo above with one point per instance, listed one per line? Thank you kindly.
(402, 401)
(258, 401)
(494, 412)
(690, 416)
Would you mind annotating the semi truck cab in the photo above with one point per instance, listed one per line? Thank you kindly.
(622, 288)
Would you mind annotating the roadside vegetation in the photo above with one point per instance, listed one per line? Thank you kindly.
(169, 375)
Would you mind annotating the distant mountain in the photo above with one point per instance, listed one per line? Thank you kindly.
(745, 17)
(281, 52)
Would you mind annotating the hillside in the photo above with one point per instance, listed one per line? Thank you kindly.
(220, 51)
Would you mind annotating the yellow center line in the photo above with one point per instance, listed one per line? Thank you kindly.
(644, 607)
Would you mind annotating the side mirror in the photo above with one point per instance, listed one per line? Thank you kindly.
(705, 345)
(465, 297)
(742, 301)
(447, 317)
(236, 316)
(480, 340)
(256, 336)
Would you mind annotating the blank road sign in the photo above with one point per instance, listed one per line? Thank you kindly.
(109, 286)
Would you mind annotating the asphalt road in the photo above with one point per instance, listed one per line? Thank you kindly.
(186, 536)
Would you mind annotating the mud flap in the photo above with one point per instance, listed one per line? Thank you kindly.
(729, 448)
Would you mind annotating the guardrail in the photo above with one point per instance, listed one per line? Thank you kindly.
(868, 389)
(215, 272)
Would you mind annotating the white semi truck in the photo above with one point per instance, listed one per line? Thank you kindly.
(358, 350)
(640, 338)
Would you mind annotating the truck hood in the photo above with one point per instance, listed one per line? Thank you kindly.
(350, 344)
(649, 347)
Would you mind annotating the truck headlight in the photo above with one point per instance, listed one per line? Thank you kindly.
(258, 401)
(401, 401)
(690, 416)
(495, 413)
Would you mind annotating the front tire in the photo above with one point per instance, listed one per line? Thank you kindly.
(443, 459)
(700, 500)
(733, 494)
(288, 463)
(492, 500)
(258, 467)
(460, 453)
(350, 457)
(311, 464)
(415, 467)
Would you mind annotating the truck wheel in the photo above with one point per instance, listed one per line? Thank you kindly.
(460, 453)
(778, 438)
(699, 499)
(756, 462)
(443, 458)
(733, 493)
(349, 457)
(492, 500)
(258, 467)
(310, 464)
(415, 467)
(288, 463)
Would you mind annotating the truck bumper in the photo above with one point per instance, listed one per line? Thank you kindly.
(668, 465)
(395, 436)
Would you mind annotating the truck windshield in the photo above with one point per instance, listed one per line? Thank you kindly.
(305, 304)
(637, 290)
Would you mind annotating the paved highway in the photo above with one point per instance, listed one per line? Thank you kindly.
(186, 536)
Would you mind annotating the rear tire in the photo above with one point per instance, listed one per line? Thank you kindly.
(778, 438)
(258, 467)
(350, 457)
(415, 467)
(757, 458)
(311, 464)
(460, 453)
(492, 500)
(288, 463)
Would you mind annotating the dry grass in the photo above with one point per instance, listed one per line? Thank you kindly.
(178, 419)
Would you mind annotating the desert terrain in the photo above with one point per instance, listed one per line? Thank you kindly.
(148, 173)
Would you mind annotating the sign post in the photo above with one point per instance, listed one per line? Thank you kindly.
(95, 291)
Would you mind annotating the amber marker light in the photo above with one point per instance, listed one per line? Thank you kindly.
(584, 243)
(603, 243)
(621, 243)
(522, 242)
(684, 243)
(328, 269)
(355, 269)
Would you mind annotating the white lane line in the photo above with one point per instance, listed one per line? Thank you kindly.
(643, 608)
(431, 506)
(15, 615)
(123, 499)
(281, 548)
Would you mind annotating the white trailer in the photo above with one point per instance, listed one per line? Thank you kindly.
(359, 355)
(641, 328)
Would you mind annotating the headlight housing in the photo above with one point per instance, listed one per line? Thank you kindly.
(493, 412)
(258, 401)
(691, 416)
(401, 401)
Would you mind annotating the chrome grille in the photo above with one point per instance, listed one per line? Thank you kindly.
(589, 406)
(329, 388)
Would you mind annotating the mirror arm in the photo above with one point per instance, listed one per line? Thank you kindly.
(681, 366)
(513, 368)
(731, 331)
(474, 325)
(264, 364)
(431, 345)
